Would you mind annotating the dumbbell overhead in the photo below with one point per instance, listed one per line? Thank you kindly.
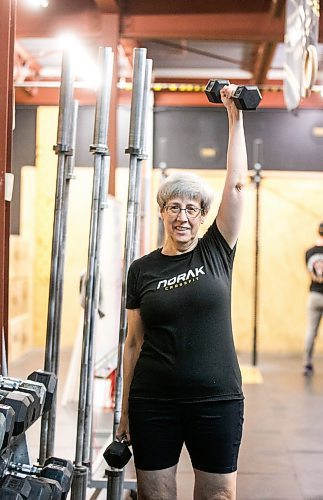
(245, 97)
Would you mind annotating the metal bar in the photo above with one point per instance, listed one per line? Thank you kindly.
(257, 153)
(62, 148)
(143, 156)
(68, 175)
(100, 179)
(135, 149)
(105, 167)
(139, 68)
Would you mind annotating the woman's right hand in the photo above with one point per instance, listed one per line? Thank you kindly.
(122, 433)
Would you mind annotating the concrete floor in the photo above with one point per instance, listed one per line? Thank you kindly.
(281, 456)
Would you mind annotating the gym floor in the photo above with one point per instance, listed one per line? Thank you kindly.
(281, 456)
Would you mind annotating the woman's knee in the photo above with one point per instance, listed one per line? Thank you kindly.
(210, 486)
(157, 485)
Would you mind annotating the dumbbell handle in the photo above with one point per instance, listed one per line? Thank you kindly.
(245, 97)
(24, 468)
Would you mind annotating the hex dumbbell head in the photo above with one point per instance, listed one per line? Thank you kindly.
(22, 404)
(117, 454)
(40, 489)
(49, 380)
(60, 470)
(9, 415)
(247, 97)
(56, 489)
(14, 487)
(212, 90)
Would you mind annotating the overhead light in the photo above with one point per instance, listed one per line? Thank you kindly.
(84, 66)
(317, 131)
(208, 152)
(36, 4)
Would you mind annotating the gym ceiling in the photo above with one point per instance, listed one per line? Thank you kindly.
(189, 41)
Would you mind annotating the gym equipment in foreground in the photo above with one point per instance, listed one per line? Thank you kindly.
(101, 160)
(22, 403)
(64, 149)
(245, 97)
(142, 69)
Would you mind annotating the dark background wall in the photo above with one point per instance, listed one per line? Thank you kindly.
(23, 153)
(181, 134)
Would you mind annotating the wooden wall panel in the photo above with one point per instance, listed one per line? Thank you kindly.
(291, 208)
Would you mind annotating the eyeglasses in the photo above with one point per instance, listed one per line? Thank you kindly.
(175, 210)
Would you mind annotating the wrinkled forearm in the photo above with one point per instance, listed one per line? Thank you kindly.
(130, 358)
(237, 164)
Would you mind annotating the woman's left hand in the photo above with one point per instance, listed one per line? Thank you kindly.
(226, 96)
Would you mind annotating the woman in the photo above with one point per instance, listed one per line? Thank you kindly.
(182, 382)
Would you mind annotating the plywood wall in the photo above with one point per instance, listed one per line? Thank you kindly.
(291, 206)
(37, 195)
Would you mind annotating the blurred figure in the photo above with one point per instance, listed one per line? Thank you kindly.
(314, 263)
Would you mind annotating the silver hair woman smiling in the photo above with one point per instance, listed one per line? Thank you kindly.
(182, 381)
(185, 185)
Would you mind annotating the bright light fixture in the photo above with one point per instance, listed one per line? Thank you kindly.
(36, 4)
(84, 66)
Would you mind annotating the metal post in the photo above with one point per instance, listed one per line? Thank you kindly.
(142, 156)
(257, 153)
(139, 70)
(68, 175)
(135, 149)
(62, 149)
(100, 151)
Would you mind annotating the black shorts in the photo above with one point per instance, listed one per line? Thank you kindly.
(211, 431)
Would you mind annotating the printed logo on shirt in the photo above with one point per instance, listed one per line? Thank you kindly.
(315, 264)
(181, 279)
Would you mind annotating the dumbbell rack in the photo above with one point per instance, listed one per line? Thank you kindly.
(22, 403)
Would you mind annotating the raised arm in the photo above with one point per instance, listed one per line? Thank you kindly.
(134, 340)
(230, 211)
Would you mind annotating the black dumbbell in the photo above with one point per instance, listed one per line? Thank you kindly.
(245, 97)
(40, 489)
(2, 429)
(23, 406)
(60, 470)
(36, 389)
(14, 488)
(9, 414)
(49, 380)
(117, 454)
(20, 487)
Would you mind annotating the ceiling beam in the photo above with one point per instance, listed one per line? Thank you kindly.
(144, 7)
(108, 6)
(235, 26)
(266, 50)
(24, 63)
(50, 97)
(38, 25)
(128, 45)
(269, 100)
(264, 56)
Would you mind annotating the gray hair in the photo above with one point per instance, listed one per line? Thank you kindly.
(185, 185)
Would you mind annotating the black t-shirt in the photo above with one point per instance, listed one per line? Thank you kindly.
(314, 262)
(185, 305)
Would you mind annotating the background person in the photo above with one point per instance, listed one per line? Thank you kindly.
(182, 382)
(314, 263)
